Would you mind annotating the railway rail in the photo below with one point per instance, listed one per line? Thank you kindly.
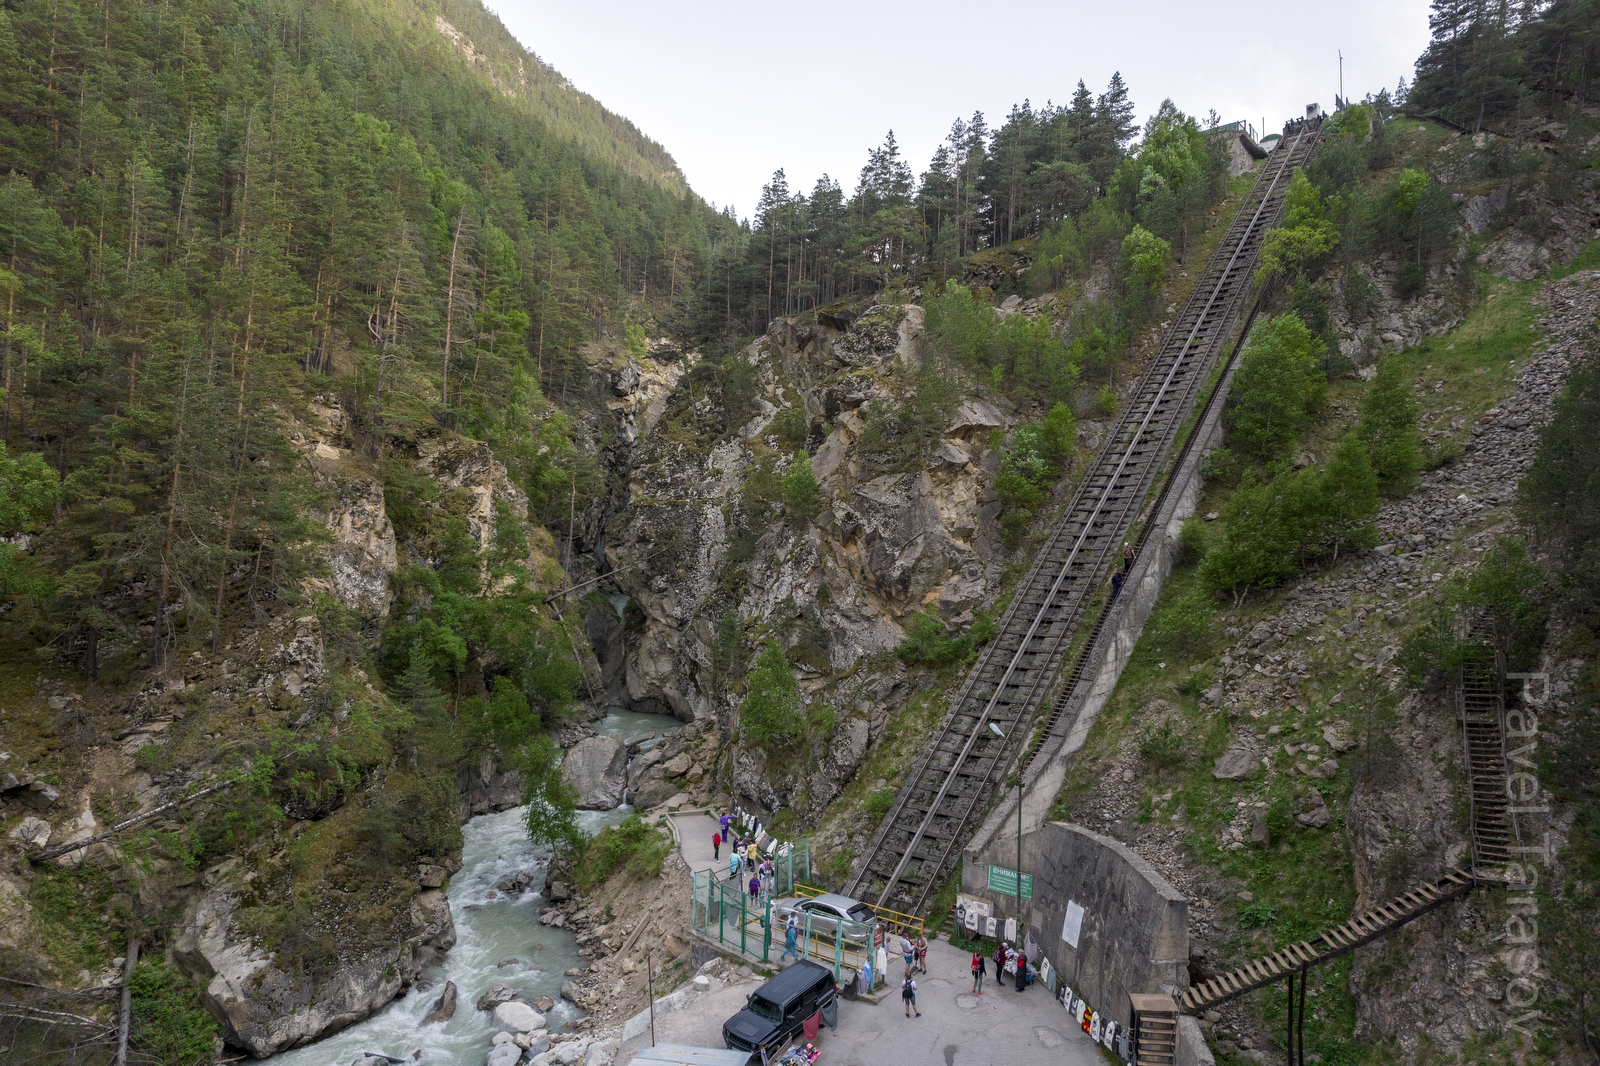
(917, 843)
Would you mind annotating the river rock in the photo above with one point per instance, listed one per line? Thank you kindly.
(515, 1016)
(370, 1059)
(544, 1003)
(558, 891)
(597, 768)
(502, 1038)
(445, 1008)
(1236, 764)
(496, 995)
(571, 1052)
(536, 1042)
(504, 1055)
(569, 991)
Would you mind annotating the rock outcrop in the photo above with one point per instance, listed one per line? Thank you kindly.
(597, 768)
(265, 1009)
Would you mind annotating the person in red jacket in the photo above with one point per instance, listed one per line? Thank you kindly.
(716, 846)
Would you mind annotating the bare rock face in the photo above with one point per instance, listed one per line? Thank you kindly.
(597, 768)
(364, 553)
(266, 1010)
(485, 789)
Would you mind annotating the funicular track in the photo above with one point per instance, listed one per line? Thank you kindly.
(919, 840)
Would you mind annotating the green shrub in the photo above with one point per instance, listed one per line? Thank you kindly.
(771, 711)
(877, 804)
(1163, 746)
(632, 847)
(790, 425)
(167, 1022)
(1257, 915)
(1277, 389)
(1409, 281)
(1184, 626)
(929, 643)
(1388, 428)
(800, 489)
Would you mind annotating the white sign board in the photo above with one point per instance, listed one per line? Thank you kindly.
(1073, 925)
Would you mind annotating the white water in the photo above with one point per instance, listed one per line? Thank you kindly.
(491, 928)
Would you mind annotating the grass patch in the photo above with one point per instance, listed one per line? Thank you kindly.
(632, 847)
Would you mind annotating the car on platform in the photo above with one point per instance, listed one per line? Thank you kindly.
(827, 912)
(774, 1013)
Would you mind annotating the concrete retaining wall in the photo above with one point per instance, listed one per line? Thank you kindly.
(1134, 935)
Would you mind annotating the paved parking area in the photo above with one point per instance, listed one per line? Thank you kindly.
(956, 1027)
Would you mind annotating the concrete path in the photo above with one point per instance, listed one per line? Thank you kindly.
(693, 830)
(960, 1029)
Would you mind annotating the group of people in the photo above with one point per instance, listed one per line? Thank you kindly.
(1006, 960)
(744, 856)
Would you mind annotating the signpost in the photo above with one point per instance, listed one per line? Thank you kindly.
(1004, 882)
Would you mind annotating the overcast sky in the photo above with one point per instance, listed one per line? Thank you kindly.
(736, 90)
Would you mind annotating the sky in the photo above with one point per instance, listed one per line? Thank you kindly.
(737, 90)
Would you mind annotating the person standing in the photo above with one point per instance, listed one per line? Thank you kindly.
(909, 951)
(755, 889)
(1116, 584)
(978, 966)
(922, 953)
(908, 995)
(1000, 962)
(733, 864)
(791, 933)
(725, 821)
(1127, 557)
(1022, 971)
(716, 847)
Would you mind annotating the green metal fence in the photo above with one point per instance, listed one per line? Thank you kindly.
(725, 912)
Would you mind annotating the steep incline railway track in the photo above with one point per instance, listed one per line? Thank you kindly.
(917, 844)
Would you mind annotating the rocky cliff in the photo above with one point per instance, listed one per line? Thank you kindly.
(699, 542)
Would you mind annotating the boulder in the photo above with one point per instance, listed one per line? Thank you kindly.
(515, 1016)
(1260, 834)
(571, 1052)
(538, 1041)
(445, 1008)
(1337, 734)
(597, 767)
(1313, 811)
(653, 793)
(558, 891)
(31, 830)
(495, 996)
(504, 1055)
(642, 764)
(544, 1003)
(430, 876)
(677, 765)
(1238, 763)
(569, 991)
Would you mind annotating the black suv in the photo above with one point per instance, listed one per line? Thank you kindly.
(773, 1013)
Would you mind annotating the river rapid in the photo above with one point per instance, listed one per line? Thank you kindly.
(498, 941)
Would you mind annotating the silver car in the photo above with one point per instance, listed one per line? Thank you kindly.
(827, 912)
